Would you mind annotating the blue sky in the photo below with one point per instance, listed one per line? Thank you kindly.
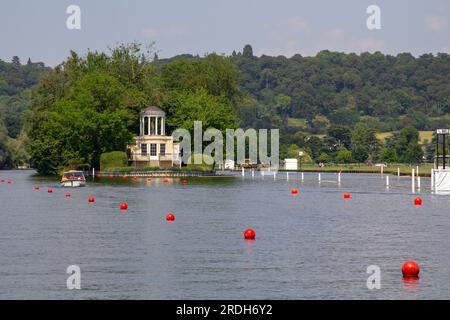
(37, 29)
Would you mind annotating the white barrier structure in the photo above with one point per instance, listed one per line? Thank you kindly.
(440, 180)
(290, 164)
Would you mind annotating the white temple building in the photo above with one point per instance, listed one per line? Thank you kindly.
(153, 148)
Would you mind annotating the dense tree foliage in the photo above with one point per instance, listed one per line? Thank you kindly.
(329, 106)
(96, 100)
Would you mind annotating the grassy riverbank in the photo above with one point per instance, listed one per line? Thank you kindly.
(424, 169)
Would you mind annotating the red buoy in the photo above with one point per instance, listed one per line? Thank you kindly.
(410, 269)
(170, 217)
(123, 206)
(166, 180)
(9, 181)
(149, 179)
(124, 177)
(135, 178)
(418, 201)
(346, 195)
(185, 182)
(111, 177)
(49, 190)
(91, 200)
(68, 195)
(3, 180)
(294, 191)
(249, 234)
(36, 187)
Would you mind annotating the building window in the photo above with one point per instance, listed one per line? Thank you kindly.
(153, 150)
(143, 149)
(162, 148)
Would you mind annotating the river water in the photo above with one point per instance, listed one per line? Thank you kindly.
(315, 245)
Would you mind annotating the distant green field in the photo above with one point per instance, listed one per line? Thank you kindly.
(297, 123)
(423, 136)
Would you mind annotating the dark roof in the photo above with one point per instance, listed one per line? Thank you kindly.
(154, 111)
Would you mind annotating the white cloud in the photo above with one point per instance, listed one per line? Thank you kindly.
(297, 24)
(371, 45)
(436, 23)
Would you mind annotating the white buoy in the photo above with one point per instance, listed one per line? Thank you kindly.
(319, 176)
(387, 181)
(413, 181)
(339, 177)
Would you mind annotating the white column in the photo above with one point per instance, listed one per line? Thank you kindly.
(413, 180)
(163, 128)
(156, 126)
(149, 124)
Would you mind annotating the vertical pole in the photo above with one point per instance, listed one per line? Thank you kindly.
(339, 178)
(417, 172)
(444, 151)
(398, 172)
(382, 169)
(243, 173)
(387, 181)
(93, 174)
(253, 173)
(413, 181)
(287, 176)
(303, 177)
(432, 179)
(274, 175)
(319, 176)
(436, 157)
(418, 183)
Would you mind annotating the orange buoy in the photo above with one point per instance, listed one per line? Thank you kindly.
(68, 195)
(294, 191)
(123, 206)
(91, 200)
(185, 182)
(418, 201)
(49, 190)
(249, 234)
(410, 269)
(170, 217)
(346, 195)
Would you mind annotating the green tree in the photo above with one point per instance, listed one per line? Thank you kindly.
(344, 156)
(363, 143)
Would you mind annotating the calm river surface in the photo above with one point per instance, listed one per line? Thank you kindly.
(315, 245)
